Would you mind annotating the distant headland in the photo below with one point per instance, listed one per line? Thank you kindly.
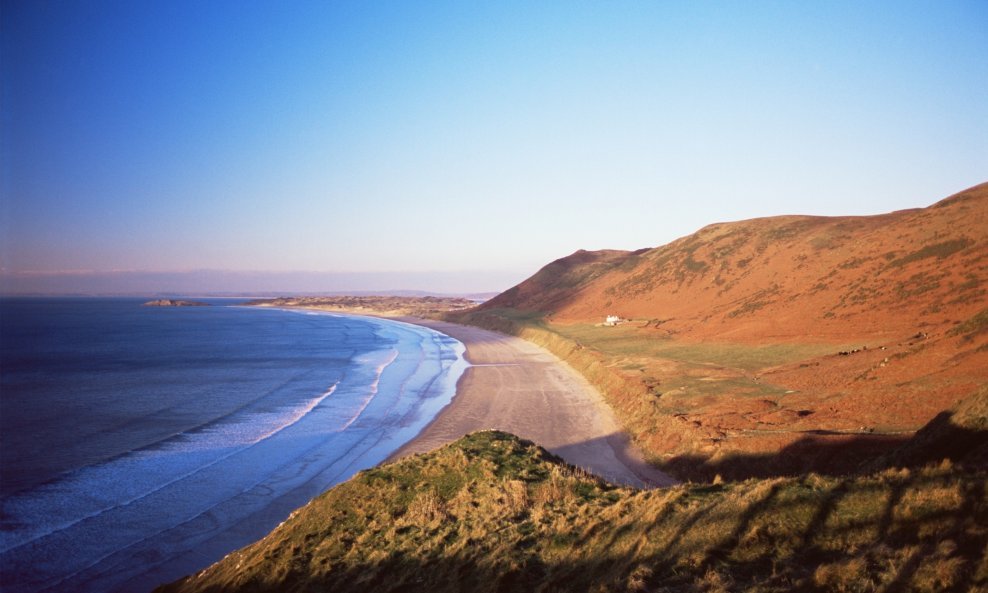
(385, 306)
(174, 303)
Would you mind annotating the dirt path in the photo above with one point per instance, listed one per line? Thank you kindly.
(521, 388)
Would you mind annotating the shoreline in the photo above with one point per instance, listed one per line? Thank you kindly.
(193, 485)
(518, 387)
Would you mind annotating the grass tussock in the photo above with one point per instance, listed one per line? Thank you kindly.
(494, 513)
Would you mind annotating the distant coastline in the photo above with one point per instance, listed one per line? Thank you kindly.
(174, 303)
(381, 306)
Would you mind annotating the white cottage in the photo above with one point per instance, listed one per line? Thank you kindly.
(612, 320)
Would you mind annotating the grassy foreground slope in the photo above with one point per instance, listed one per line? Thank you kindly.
(773, 346)
(493, 513)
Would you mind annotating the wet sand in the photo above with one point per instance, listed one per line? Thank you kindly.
(518, 387)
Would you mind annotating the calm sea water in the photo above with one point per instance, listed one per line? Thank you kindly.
(139, 444)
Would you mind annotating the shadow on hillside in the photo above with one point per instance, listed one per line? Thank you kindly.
(626, 467)
(838, 455)
(896, 530)
(803, 534)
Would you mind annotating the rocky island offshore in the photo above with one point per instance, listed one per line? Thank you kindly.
(174, 303)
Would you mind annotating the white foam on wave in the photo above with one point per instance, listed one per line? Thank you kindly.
(372, 389)
(419, 384)
(233, 469)
(95, 490)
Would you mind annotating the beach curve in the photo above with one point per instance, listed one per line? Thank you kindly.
(518, 387)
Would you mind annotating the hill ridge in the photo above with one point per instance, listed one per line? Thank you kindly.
(816, 273)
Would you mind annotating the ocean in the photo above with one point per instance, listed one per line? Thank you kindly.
(139, 444)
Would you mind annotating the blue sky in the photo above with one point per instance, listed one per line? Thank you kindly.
(475, 138)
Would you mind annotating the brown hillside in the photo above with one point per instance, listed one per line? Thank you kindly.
(824, 340)
(555, 284)
(784, 277)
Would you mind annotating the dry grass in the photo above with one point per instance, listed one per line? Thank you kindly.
(516, 519)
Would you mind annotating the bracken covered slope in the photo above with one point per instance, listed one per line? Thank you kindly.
(785, 276)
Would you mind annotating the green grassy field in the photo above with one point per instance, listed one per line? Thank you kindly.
(630, 341)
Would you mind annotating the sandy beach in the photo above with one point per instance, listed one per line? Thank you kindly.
(516, 386)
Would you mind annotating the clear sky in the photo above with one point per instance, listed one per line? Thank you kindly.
(482, 138)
